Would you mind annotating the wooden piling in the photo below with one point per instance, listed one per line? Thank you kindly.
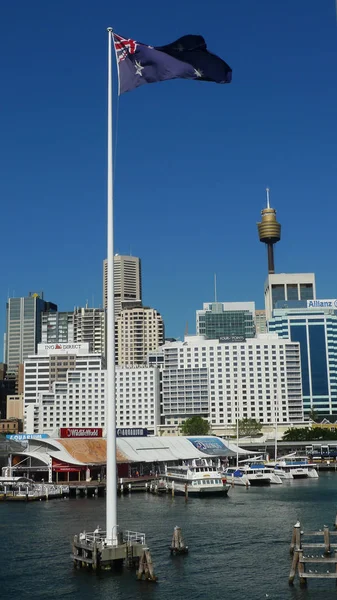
(296, 537)
(178, 545)
(326, 533)
(293, 567)
(145, 569)
(186, 492)
(172, 489)
(301, 568)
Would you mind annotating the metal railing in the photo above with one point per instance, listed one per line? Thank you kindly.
(99, 536)
(134, 537)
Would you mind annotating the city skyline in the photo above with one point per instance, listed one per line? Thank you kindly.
(276, 130)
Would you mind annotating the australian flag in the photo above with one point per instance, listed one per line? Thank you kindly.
(187, 58)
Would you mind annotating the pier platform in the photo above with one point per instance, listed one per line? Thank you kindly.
(33, 493)
(125, 485)
(92, 550)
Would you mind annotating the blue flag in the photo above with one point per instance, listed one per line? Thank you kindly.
(187, 58)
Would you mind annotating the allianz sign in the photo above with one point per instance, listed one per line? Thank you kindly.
(322, 304)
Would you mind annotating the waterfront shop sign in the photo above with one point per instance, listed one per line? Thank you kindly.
(19, 437)
(131, 432)
(209, 445)
(81, 432)
(322, 304)
(225, 339)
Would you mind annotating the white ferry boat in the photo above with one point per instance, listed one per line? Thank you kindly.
(236, 476)
(259, 474)
(198, 477)
(296, 468)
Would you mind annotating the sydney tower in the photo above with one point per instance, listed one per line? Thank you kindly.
(269, 232)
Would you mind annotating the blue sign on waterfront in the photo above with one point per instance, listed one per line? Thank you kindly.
(131, 432)
(19, 437)
(210, 445)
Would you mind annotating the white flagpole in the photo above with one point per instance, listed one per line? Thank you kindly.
(111, 467)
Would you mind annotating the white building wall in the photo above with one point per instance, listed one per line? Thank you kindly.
(37, 378)
(77, 402)
(284, 279)
(138, 397)
(255, 378)
(184, 392)
(80, 400)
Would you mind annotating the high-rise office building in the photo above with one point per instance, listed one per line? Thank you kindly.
(57, 327)
(127, 281)
(288, 286)
(7, 387)
(82, 325)
(139, 331)
(260, 321)
(218, 319)
(23, 332)
(312, 323)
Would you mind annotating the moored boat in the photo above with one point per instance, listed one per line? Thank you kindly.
(236, 476)
(198, 477)
(297, 468)
(259, 474)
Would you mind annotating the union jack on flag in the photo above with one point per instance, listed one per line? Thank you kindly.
(124, 47)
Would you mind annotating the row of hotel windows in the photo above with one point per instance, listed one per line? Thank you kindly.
(58, 423)
(227, 353)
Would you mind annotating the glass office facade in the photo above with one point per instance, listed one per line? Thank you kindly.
(23, 331)
(316, 331)
(291, 292)
(236, 322)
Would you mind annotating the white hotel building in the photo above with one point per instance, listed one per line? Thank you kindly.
(65, 386)
(257, 379)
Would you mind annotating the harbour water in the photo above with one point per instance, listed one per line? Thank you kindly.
(239, 546)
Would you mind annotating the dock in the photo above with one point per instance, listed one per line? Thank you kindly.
(34, 493)
(93, 551)
(305, 553)
(125, 485)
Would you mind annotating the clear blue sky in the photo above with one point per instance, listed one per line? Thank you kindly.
(193, 159)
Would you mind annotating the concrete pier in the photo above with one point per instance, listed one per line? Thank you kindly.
(93, 551)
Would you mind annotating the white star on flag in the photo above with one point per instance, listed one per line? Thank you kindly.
(138, 68)
(198, 72)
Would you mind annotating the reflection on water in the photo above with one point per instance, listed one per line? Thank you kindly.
(239, 546)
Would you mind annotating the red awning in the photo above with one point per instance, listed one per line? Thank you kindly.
(59, 466)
